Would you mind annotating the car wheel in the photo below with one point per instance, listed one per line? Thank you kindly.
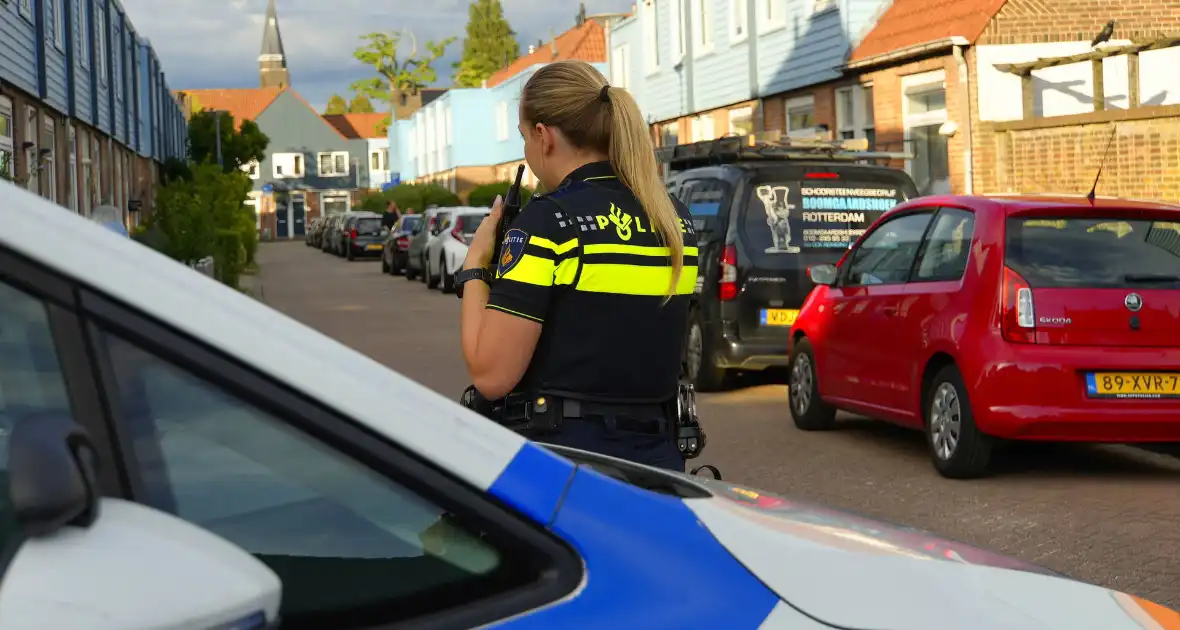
(431, 279)
(425, 277)
(448, 279)
(699, 359)
(410, 273)
(808, 410)
(348, 254)
(958, 448)
(395, 266)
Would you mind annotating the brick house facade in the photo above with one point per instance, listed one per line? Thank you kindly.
(1044, 153)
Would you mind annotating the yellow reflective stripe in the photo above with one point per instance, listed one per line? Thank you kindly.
(554, 247)
(635, 279)
(566, 270)
(637, 250)
(532, 270)
(512, 312)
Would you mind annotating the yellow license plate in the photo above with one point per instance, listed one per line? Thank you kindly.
(374, 247)
(1133, 384)
(779, 317)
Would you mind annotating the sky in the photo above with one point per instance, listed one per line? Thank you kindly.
(215, 43)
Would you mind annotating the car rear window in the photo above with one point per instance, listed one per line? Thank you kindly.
(367, 225)
(1094, 252)
(469, 223)
(785, 218)
(408, 222)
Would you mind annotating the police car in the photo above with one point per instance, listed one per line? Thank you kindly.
(179, 455)
(764, 212)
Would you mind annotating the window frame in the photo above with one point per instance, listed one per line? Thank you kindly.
(704, 38)
(101, 61)
(25, 9)
(649, 15)
(283, 159)
(676, 23)
(502, 131)
(620, 66)
(768, 20)
(79, 318)
(741, 112)
(739, 18)
(8, 142)
(332, 155)
(799, 102)
(846, 269)
(82, 28)
(57, 24)
(917, 264)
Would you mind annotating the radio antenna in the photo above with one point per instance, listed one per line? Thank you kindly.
(1094, 188)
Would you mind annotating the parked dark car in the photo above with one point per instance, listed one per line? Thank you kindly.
(313, 231)
(420, 237)
(329, 233)
(397, 244)
(361, 235)
(763, 215)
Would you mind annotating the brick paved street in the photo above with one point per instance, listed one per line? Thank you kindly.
(1105, 514)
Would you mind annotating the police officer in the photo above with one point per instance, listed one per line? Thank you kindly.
(583, 315)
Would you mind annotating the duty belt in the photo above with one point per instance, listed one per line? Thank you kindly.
(545, 412)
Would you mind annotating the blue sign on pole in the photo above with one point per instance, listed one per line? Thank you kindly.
(268, 188)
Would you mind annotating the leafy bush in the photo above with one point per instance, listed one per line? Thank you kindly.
(485, 195)
(229, 259)
(410, 197)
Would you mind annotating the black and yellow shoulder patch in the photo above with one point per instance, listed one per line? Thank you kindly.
(512, 251)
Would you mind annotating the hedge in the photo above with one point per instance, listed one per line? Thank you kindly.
(411, 197)
(485, 195)
(229, 257)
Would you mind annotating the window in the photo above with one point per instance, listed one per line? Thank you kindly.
(55, 21)
(117, 59)
(854, 113)
(100, 44)
(819, 6)
(924, 113)
(82, 34)
(620, 66)
(333, 164)
(801, 117)
(771, 14)
(1094, 252)
(670, 134)
(703, 198)
(96, 152)
(7, 164)
(741, 121)
(676, 24)
(251, 169)
(887, 255)
(288, 165)
(738, 21)
(25, 7)
(375, 161)
(702, 26)
(31, 382)
(502, 120)
(947, 248)
(72, 174)
(650, 15)
(449, 129)
(87, 187)
(32, 161)
(351, 546)
(702, 128)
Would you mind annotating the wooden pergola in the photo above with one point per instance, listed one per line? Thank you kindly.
(1025, 69)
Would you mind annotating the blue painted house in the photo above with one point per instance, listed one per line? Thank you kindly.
(701, 69)
(86, 116)
(468, 136)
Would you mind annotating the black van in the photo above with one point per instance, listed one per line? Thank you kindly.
(763, 215)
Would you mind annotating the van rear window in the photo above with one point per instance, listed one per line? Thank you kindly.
(785, 218)
(1094, 253)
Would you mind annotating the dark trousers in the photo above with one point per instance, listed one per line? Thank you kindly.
(601, 434)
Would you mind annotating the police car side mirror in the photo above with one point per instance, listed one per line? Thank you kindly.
(135, 568)
(823, 275)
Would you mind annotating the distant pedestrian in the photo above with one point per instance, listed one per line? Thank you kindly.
(392, 214)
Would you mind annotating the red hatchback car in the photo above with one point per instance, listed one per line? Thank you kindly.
(980, 319)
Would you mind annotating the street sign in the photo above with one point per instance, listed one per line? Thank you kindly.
(268, 188)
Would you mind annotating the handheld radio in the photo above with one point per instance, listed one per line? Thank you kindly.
(511, 210)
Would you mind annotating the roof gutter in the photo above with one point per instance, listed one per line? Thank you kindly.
(909, 52)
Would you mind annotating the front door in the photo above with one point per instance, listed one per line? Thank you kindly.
(298, 213)
(282, 220)
(863, 355)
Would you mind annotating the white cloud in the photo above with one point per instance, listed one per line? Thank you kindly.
(215, 43)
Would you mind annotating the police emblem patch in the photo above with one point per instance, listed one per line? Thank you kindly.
(512, 251)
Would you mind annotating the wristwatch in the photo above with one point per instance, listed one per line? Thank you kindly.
(466, 275)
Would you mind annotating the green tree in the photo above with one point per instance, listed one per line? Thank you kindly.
(336, 105)
(239, 145)
(485, 195)
(360, 105)
(490, 44)
(395, 74)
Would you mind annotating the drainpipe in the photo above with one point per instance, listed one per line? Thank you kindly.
(965, 94)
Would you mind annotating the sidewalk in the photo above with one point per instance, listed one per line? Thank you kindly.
(251, 284)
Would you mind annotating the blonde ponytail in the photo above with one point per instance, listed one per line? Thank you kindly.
(634, 159)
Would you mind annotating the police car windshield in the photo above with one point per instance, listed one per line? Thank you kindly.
(813, 215)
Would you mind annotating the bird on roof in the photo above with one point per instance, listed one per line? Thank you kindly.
(1104, 35)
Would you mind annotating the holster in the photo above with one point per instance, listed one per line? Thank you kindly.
(517, 411)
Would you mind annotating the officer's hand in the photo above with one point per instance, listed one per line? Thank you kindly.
(479, 253)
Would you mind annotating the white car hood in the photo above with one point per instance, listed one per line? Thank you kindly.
(856, 573)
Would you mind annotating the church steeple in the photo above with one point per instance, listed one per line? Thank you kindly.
(272, 63)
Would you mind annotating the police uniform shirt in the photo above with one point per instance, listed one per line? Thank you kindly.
(585, 262)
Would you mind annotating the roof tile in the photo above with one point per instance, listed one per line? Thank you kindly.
(911, 22)
(586, 42)
(366, 125)
(242, 103)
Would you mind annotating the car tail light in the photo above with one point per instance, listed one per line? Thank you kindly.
(728, 287)
(458, 235)
(822, 176)
(1018, 321)
(403, 242)
(352, 233)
